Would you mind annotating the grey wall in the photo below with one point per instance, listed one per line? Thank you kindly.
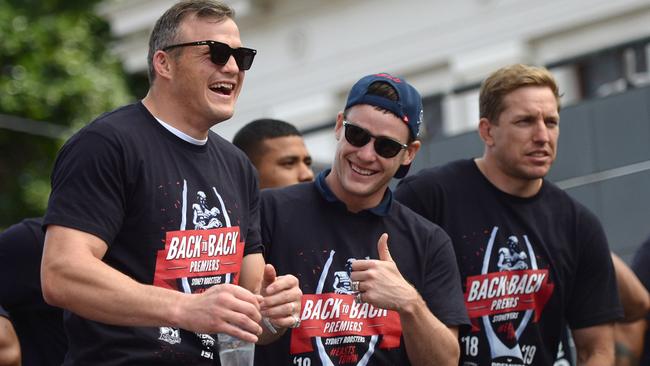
(603, 162)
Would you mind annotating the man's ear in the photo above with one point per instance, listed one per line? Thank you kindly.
(162, 64)
(485, 131)
(411, 151)
(338, 128)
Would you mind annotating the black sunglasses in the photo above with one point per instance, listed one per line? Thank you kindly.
(220, 53)
(385, 147)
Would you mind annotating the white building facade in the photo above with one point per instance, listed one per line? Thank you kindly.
(310, 52)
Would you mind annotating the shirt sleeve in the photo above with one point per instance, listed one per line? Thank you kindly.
(411, 197)
(266, 221)
(253, 236)
(88, 186)
(423, 194)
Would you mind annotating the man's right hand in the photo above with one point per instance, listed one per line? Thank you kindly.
(70, 255)
(225, 308)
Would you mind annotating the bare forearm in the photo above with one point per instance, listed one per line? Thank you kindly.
(96, 291)
(73, 276)
(428, 341)
(634, 296)
(597, 359)
(629, 341)
(111, 297)
(595, 345)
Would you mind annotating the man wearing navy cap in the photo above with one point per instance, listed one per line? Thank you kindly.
(363, 303)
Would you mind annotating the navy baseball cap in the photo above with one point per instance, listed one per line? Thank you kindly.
(408, 107)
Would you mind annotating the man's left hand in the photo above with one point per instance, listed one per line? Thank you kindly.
(380, 282)
(282, 299)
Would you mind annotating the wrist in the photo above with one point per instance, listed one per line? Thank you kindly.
(175, 310)
(412, 304)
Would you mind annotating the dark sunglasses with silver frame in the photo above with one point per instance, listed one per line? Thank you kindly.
(385, 147)
(220, 53)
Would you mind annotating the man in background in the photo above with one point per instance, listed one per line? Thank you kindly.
(38, 325)
(9, 346)
(633, 338)
(277, 150)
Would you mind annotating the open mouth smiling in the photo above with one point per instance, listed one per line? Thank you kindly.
(365, 172)
(222, 88)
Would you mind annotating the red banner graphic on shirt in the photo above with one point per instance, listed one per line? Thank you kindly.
(199, 254)
(508, 291)
(334, 315)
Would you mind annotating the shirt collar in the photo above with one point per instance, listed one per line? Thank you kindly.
(382, 209)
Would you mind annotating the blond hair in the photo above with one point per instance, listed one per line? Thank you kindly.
(507, 79)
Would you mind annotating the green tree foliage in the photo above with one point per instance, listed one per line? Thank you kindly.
(55, 67)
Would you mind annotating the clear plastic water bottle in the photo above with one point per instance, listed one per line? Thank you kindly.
(235, 352)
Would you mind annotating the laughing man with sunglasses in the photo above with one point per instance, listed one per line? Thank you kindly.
(380, 283)
(153, 218)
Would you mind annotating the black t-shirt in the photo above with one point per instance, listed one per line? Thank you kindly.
(38, 325)
(307, 232)
(173, 214)
(641, 267)
(528, 265)
(4, 313)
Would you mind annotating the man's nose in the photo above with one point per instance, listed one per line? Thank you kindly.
(306, 174)
(367, 152)
(541, 132)
(230, 66)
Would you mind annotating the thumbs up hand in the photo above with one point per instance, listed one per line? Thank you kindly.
(380, 282)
